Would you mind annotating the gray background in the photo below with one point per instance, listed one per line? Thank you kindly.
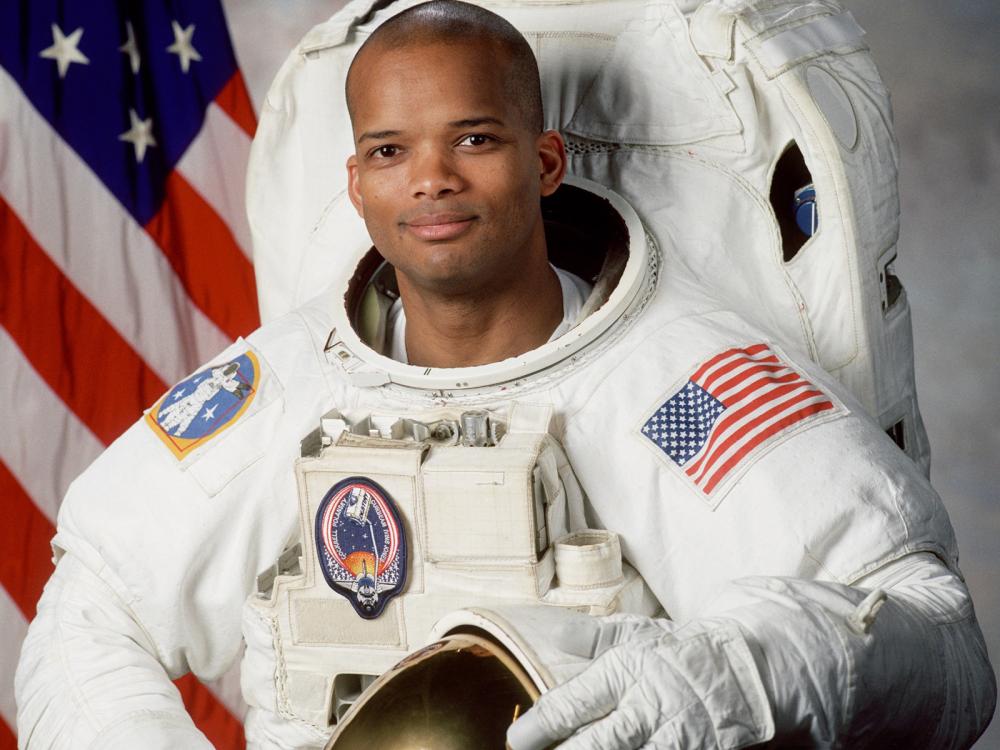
(939, 60)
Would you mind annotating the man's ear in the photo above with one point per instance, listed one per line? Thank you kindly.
(352, 185)
(551, 160)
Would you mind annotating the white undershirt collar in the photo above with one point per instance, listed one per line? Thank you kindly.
(574, 293)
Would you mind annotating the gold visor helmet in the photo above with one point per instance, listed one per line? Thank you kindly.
(460, 692)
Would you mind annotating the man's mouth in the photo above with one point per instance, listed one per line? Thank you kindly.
(441, 226)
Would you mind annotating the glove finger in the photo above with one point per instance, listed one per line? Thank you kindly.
(592, 637)
(622, 729)
(618, 629)
(578, 638)
(587, 697)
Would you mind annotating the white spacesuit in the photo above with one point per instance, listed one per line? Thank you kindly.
(808, 569)
(770, 568)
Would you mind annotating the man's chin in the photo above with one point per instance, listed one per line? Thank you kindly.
(455, 285)
(448, 279)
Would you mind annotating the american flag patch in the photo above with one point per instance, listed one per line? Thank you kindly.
(733, 404)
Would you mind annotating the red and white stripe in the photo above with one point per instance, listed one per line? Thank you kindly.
(83, 231)
(98, 314)
(13, 628)
(51, 445)
(763, 396)
(215, 165)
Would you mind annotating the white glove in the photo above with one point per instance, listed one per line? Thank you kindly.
(896, 661)
(696, 687)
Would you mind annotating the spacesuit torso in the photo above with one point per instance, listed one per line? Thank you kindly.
(821, 497)
(770, 495)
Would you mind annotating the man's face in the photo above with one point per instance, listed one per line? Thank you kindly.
(446, 174)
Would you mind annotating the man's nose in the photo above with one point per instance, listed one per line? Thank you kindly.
(435, 175)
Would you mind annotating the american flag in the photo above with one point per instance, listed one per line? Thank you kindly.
(125, 129)
(735, 403)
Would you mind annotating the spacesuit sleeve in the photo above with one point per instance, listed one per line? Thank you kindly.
(158, 548)
(88, 677)
(789, 555)
(897, 660)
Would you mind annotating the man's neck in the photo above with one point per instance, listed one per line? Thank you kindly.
(479, 328)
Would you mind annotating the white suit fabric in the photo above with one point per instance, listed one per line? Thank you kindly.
(158, 554)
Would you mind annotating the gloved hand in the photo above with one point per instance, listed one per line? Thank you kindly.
(695, 687)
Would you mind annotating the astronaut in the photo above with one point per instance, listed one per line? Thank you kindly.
(176, 417)
(808, 568)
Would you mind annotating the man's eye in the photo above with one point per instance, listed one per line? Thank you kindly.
(476, 139)
(385, 152)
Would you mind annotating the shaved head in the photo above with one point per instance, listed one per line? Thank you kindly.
(451, 22)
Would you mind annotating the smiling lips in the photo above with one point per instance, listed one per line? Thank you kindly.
(443, 226)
